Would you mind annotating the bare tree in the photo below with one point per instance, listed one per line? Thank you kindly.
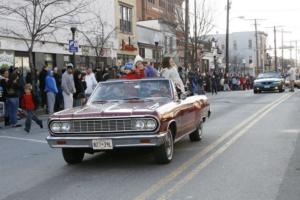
(203, 25)
(97, 34)
(202, 20)
(38, 19)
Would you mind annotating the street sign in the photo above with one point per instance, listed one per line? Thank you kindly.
(73, 46)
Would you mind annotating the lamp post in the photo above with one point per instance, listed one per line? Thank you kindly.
(157, 54)
(156, 41)
(244, 63)
(73, 30)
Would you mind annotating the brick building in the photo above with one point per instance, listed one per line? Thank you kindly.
(157, 9)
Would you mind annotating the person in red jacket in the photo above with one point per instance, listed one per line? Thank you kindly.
(134, 71)
(28, 104)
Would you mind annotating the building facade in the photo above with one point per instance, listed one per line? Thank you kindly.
(127, 32)
(242, 51)
(55, 50)
(155, 40)
(157, 9)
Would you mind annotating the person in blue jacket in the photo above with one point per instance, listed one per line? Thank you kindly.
(51, 90)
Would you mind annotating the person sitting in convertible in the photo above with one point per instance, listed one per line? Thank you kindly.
(134, 71)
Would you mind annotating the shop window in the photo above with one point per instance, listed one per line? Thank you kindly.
(22, 62)
(67, 60)
(142, 52)
(49, 60)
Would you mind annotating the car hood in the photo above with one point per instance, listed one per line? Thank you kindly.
(114, 109)
(267, 80)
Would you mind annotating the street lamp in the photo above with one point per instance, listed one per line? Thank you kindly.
(156, 42)
(156, 47)
(244, 63)
(73, 30)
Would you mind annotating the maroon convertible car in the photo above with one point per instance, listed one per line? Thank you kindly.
(129, 113)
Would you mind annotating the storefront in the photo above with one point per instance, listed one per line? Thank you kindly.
(6, 58)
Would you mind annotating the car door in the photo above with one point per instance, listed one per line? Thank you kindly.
(188, 115)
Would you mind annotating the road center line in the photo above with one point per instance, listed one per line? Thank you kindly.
(22, 139)
(220, 151)
(165, 180)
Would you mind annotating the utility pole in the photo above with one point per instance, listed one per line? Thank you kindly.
(186, 37)
(275, 49)
(296, 49)
(256, 47)
(291, 52)
(227, 37)
(282, 49)
(196, 35)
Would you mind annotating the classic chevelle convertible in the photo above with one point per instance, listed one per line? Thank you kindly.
(129, 113)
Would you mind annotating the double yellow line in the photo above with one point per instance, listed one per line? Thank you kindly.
(236, 132)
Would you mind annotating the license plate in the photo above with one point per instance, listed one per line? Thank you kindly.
(267, 86)
(102, 144)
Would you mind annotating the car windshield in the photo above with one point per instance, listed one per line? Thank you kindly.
(269, 75)
(131, 90)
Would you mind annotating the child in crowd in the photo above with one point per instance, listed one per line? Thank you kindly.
(28, 105)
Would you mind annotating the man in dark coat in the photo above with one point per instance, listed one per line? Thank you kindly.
(42, 77)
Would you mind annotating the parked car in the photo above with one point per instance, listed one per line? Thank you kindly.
(269, 81)
(129, 113)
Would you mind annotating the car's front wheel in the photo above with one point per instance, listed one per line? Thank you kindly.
(72, 156)
(164, 153)
(197, 134)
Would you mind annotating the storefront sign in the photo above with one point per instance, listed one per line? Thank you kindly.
(6, 58)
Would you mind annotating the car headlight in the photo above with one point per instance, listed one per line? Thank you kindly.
(139, 124)
(60, 127)
(55, 127)
(151, 124)
(65, 127)
(145, 124)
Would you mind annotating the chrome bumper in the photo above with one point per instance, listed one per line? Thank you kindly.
(117, 141)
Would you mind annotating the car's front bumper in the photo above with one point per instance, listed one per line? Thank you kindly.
(117, 141)
(267, 88)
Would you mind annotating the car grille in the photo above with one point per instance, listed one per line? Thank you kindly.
(267, 83)
(102, 126)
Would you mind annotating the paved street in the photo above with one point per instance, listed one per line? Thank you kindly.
(250, 151)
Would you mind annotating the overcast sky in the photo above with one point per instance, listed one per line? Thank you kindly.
(285, 13)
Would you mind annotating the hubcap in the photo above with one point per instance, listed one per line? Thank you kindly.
(169, 145)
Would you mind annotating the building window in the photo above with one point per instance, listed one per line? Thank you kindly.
(151, 1)
(171, 45)
(234, 45)
(162, 3)
(250, 44)
(166, 44)
(125, 19)
(142, 52)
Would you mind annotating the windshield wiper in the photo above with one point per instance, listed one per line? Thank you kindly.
(104, 101)
(132, 98)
